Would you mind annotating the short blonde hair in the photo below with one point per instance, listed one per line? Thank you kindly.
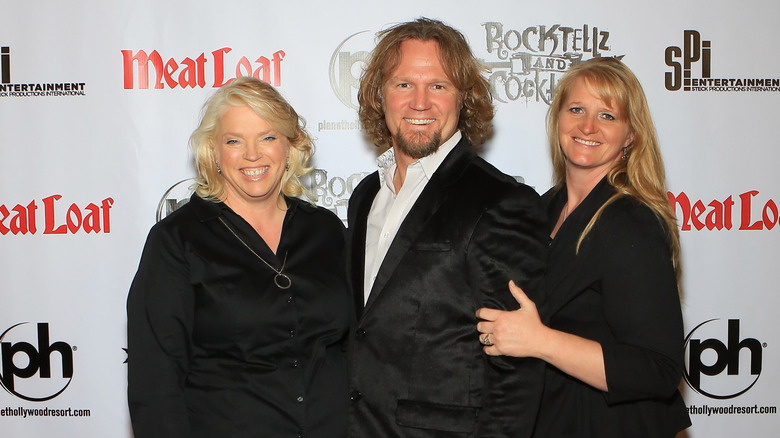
(267, 103)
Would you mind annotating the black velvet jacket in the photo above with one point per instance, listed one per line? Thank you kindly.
(417, 367)
(217, 350)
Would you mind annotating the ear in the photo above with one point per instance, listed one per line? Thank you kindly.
(629, 139)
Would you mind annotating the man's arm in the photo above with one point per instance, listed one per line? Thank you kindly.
(509, 243)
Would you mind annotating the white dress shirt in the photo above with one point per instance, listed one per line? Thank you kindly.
(390, 208)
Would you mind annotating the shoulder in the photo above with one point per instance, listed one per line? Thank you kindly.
(315, 215)
(628, 223)
(489, 182)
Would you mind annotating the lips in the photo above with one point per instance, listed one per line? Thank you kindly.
(586, 142)
(419, 121)
(255, 172)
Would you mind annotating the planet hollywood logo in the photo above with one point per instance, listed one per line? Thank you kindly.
(691, 69)
(531, 60)
(28, 362)
(197, 71)
(719, 363)
(9, 88)
(175, 197)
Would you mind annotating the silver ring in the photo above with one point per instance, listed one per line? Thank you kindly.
(487, 342)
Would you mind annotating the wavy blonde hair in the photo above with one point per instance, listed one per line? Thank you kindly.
(465, 72)
(641, 174)
(267, 103)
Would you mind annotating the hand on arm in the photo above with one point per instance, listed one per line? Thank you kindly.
(520, 333)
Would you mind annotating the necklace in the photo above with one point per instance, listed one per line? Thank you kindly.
(282, 281)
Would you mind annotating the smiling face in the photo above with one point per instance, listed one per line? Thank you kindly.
(252, 156)
(421, 102)
(592, 132)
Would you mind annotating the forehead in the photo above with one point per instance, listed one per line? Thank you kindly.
(584, 88)
(414, 54)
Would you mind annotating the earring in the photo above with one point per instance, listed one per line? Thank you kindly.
(287, 166)
(625, 153)
(219, 169)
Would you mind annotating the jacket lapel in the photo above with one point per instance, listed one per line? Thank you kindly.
(431, 198)
(358, 225)
(561, 270)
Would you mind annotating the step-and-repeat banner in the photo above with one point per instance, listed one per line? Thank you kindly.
(98, 99)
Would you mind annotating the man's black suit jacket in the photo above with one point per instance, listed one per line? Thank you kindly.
(417, 367)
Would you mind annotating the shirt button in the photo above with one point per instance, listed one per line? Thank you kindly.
(355, 396)
(290, 299)
(360, 334)
(299, 399)
(292, 333)
(295, 363)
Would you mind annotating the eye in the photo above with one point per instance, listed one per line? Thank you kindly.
(608, 116)
(575, 110)
(403, 85)
(231, 142)
(269, 138)
(438, 87)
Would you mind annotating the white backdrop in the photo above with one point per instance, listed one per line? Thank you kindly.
(89, 153)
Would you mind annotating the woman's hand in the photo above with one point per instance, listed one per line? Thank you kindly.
(512, 333)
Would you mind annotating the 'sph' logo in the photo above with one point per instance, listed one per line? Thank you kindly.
(694, 50)
(708, 358)
(16, 372)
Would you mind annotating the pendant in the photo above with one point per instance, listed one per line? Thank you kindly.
(282, 281)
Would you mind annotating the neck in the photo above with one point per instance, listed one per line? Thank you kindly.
(579, 184)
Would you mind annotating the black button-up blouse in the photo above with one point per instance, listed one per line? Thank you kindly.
(216, 349)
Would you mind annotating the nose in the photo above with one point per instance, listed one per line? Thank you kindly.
(252, 152)
(421, 99)
(588, 125)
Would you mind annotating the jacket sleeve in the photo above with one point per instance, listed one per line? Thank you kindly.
(509, 243)
(641, 305)
(160, 317)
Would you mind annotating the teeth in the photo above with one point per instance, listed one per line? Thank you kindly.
(420, 121)
(252, 173)
(587, 142)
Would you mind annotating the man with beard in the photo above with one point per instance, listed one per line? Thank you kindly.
(436, 233)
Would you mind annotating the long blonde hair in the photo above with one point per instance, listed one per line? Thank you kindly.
(641, 174)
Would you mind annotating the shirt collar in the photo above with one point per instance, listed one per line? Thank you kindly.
(429, 164)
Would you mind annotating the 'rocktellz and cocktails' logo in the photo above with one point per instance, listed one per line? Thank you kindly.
(32, 89)
(696, 51)
(531, 60)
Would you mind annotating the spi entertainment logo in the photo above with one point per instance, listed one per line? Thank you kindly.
(21, 360)
(692, 69)
(32, 89)
(717, 369)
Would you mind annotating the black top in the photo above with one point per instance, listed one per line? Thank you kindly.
(621, 291)
(217, 350)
